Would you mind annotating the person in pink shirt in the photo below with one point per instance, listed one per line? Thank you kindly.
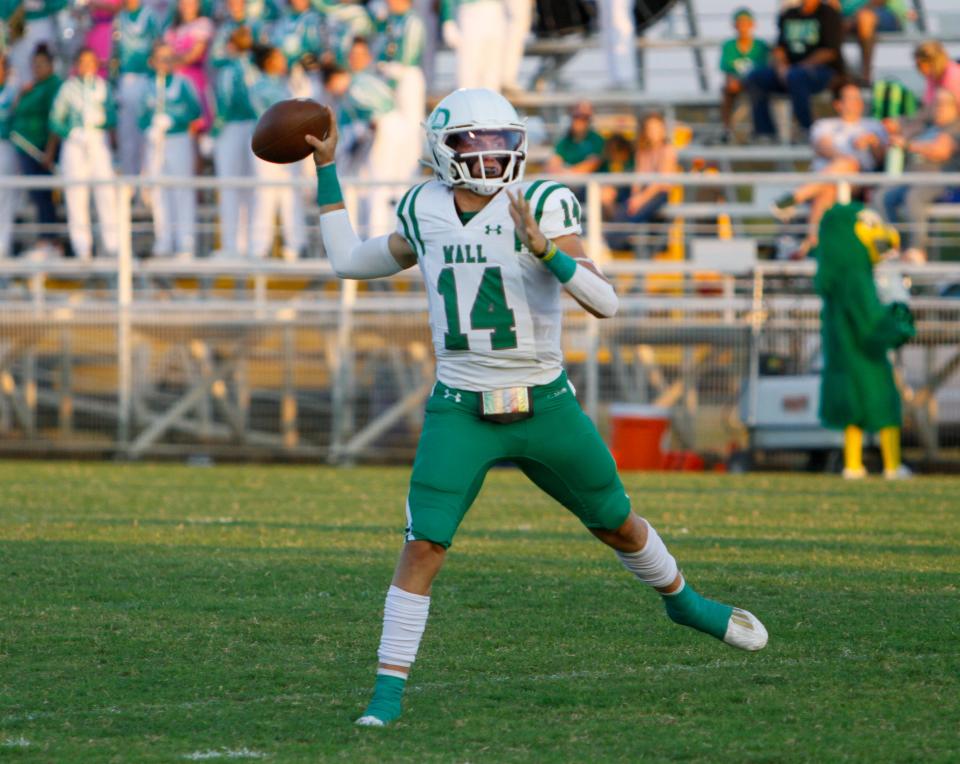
(190, 36)
(99, 37)
(940, 71)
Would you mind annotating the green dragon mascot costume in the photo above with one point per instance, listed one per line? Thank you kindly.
(857, 388)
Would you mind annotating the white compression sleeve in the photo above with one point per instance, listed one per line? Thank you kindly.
(653, 564)
(593, 291)
(350, 257)
(404, 619)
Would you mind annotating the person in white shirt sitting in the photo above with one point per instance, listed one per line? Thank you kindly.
(844, 145)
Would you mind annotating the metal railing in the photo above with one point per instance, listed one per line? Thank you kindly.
(269, 359)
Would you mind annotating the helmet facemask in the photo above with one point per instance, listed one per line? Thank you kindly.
(483, 160)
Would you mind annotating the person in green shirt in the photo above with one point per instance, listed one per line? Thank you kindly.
(864, 18)
(30, 133)
(580, 150)
(738, 57)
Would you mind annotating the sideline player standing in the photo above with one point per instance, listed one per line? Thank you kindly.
(495, 253)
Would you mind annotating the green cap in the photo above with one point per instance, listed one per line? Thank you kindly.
(742, 11)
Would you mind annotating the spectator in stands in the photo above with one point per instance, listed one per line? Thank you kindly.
(170, 106)
(137, 29)
(39, 29)
(805, 60)
(343, 22)
(233, 131)
(519, 17)
(847, 144)
(738, 57)
(864, 18)
(935, 149)
(237, 17)
(376, 142)
(617, 157)
(261, 11)
(619, 34)
(36, 149)
(400, 47)
(190, 36)
(938, 69)
(476, 31)
(580, 150)
(99, 37)
(655, 153)
(269, 87)
(8, 161)
(297, 34)
(83, 114)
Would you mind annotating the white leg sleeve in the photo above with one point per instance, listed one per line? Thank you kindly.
(593, 291)
(653, 564)
(350, 257)
(404, 619)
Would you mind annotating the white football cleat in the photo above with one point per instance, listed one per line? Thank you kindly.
(369, 721)
(903, 472)
(858, 474)
(745, 631)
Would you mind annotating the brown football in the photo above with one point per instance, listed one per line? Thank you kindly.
(280, 133)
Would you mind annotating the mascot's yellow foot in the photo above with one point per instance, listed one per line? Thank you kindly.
(903, 472)
(855, 473)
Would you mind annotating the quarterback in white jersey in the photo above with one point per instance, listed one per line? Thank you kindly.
(495, 253)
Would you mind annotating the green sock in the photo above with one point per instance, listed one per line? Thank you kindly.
(688, 608)
(787, 200)
(387, 694)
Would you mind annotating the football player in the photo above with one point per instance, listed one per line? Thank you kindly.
(496, 252)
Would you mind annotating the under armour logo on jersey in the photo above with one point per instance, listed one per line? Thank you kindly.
(450, 394)
(497, 229)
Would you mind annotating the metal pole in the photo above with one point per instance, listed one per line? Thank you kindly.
(124, 301)
(756, 319)
(595, 251)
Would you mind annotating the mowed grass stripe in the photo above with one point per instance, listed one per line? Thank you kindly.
(238, 608)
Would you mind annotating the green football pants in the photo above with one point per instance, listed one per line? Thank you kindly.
(558, 448)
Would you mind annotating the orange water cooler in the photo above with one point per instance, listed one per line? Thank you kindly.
(639, 436)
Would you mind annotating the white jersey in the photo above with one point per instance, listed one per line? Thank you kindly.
(495, 310)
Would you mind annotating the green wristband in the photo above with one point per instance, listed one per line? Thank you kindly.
(328, 187)
(561, 265)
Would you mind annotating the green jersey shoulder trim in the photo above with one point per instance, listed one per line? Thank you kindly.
(538, 214)
(413, 193)
(403, 219)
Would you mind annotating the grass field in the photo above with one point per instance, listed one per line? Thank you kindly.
(169, 613)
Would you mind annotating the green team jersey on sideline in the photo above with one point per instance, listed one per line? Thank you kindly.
(297, 34)
(31, 117)
(174, 96)
(262, 10)
(40, 9)
(7, 96)
(402, 39)
(575, 151)
(495, 313)
(218, 48)
(231, 88)
(899, 7)
(735, 62)
(448, 8)
(367, 98)
(85, 103)
(136, 32)
(265, 91)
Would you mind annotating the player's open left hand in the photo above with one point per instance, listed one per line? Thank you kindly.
(526, 226)
(325, 150)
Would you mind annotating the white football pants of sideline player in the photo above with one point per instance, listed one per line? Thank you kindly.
(519, 18)
(174, 209)
(130, 140)
(391, 158)
(232, 158)
(619, 41)
(268, 201)
(481, 44)
(86, 156)
(9, 197)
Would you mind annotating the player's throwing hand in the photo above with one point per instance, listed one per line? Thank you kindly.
(526, 226)
(325, 150)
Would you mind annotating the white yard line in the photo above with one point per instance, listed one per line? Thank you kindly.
(15, 742)
(225, 753)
